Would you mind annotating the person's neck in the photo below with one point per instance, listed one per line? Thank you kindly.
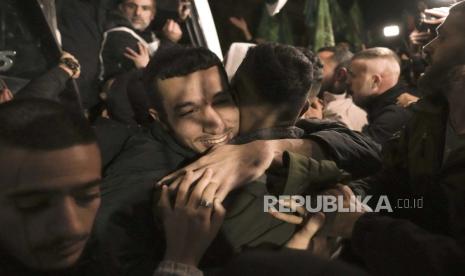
(457, 111)
(255, 119)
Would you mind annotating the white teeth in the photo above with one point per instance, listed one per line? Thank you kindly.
(215, 141)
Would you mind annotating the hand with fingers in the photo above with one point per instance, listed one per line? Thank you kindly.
(70, 65)
(341, 224)
(241, 24)
(438, 15)
(184, 9)
(5, 93)
(406, 99)
(141, 58)
(420, 38)
(303, 239)
(172, 30)
(232, 166)
(194, 220)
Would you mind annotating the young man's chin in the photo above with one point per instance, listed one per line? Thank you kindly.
(61, 260)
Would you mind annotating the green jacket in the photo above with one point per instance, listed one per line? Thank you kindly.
(247, 224)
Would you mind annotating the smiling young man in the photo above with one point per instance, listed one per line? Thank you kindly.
(49, 193)
(195, 112)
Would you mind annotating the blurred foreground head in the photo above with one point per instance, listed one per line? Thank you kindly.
(49, 193)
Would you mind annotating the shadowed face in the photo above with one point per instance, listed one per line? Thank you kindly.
(446, 50)
(139, 12)
(48, 200)
(360, 82)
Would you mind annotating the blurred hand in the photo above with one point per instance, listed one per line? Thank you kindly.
(73, 73)
(232, 166)
(241, 24)
(440, 15)
(310, 224)
(172, 30)
(406, 99)
(184, 9)
(420, 38)
(341, 224)
(194, 221)
(141, 58)
(5, 95)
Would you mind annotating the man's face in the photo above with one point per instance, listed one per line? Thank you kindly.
(328, 70)
(359, 82)
(447, 49)
(48, 203)
(198, 109)
(139, 12)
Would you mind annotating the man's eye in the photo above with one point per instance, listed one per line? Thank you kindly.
(86, 198)
(223, 102)
(32, 204)
(185, 113)
(130, 6)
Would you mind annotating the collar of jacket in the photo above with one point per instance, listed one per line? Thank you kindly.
(387, 98)
(160, 134)
(269, 134)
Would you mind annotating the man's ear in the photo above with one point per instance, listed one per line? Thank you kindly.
(376, 81)
(156, 116)
(341, 74)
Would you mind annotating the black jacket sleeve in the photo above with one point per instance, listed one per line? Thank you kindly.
(48, 86)
(352, 151)
(398, 247)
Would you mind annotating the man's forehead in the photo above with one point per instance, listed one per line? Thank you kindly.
(198, 84)
(358, 65)
(151, 3)
(325, 55)
(22, 169)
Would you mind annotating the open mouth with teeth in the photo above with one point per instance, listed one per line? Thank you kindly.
(213, 141)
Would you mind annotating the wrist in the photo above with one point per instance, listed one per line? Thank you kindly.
(68, 71)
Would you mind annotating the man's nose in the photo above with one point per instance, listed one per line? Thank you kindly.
(138, 11)
(67, 220)
(213, 122)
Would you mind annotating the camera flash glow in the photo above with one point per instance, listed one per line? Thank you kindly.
(390, 31)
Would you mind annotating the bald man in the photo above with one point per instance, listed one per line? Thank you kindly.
(374, 84)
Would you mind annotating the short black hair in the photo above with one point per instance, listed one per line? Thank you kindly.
(39, 124)
(281, 74)
(341, 55)
(176, 61)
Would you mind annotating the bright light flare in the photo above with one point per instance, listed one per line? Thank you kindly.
(391, 31)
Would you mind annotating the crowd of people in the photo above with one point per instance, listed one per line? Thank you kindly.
(174, 174)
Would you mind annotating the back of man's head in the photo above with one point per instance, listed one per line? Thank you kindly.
(41, 125)
(380, 53)
(277, 75)
(177, 61)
